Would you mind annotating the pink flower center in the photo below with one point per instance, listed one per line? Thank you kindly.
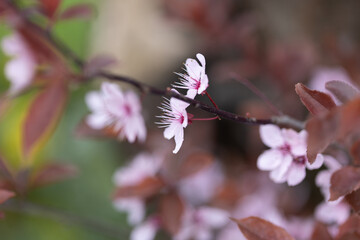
(285, 149)
(301, 160)
(181, 119)
(127, 109)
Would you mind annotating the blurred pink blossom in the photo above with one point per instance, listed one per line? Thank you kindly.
(111, 106)
(175, 119)
(286, 159)
(147, 230)
(201, 187)
(199, 223)
(322, 75)
(323, 177)
(195, 79)
(330, 212)
(20, 70)
(141, 167)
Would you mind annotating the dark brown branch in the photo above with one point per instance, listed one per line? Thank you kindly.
(70, 55)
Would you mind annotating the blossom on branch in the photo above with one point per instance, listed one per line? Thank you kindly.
(175, 119)
(195, 79)
(20, 70)
(112, 108)
(286, 159)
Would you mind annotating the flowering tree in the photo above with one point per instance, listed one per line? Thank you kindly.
(188, 191)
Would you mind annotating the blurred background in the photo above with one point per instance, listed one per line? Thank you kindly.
(273, 44)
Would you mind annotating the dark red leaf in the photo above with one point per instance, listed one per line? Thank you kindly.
(344, 181)
(97, 64)
(339, 124)
(350, 229)
(5, 195)
(146, 188)
(350, 119)
(354, 200)
(322, 131)
(355, 152)
(316, 102)
(171, 212)
(54, 172)
(43, 114)
(194, 164)
(255, 228)
(342, 91)
(50, 7)
(82, 11)
(321, 232)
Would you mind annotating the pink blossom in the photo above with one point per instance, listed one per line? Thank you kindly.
(286, 159)
(201, 187)
(142, 166)
(20, 70)
(253, 205)
(147, 230)
(323, 177)
(195, 79)
(323, 75)
(111, 106)
(175, 119)
(198, 224)
(330, 212)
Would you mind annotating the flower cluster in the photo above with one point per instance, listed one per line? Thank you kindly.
(286, 159)
(112, 108)
(175, 117)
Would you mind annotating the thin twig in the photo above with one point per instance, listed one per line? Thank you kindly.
(22, 207)
(70, 55)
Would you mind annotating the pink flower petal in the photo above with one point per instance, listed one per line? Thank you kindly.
(296, 174)
(279, 174)
(145, 231)
(204, 83)
(94, 101)
(191, 93)
(317, 164)
(332, 213)
(179, 139)
(213, 217)
(269, 160)
(169, 132)
(271, 136)
(201, 59)
(134, 207)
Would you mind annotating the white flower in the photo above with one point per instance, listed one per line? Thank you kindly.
(142, 166)
(111, 106)
(175, 119)
(199, 223)
(286, 159)
(195, 79)
(20, 70)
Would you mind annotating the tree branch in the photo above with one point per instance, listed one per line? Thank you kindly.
(147, 89)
